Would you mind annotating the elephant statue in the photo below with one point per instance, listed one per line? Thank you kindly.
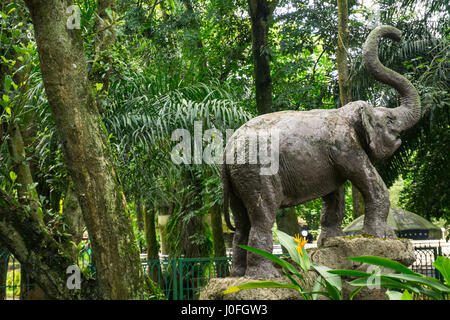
(317, 151)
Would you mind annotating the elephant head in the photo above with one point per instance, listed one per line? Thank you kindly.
(382, 126)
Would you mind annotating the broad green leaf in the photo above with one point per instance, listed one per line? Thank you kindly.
(333, 291)
(99, 86)
(354, 292)
(443, 265)
(406, 295)
(7, 82)
(384, 262)
(383, 282)
(422, 280)
(317, 288)
(8, 110)
(333, 279)
(13, 176)
(231, 290)
(260, 284)
(394, 295)
(294, 282)
(5, 98)
(289, 243)
(349, 273)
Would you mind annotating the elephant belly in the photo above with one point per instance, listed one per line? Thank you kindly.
(307, 180)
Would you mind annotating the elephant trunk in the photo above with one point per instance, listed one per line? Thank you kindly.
(409, 110)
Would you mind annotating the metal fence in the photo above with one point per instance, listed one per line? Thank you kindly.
(180, 279)
(14, 284)
(183, 279)
(425, 256)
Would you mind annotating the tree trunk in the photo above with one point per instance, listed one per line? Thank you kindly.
(345, 84)
(139, 207)
(162, 222)
(261, 13)
(358, 202)
(73, 216)
(150, 234)
(217, 232)
(24, 179)
(4, 257)
(342, 53)
(27, 195)
(287, 222)
(154, 268)
(86, 152)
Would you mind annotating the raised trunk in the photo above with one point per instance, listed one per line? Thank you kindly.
(409, 109)
(86, 152)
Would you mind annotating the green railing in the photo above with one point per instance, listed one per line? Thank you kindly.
(12, 286)
(183, 279)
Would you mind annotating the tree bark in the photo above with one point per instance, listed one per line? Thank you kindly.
(139, 207)
(345, 84)
(41, 256)
(73, 216)
(24, 179)
(217, 232)
(150, 234)
(4, 254)
(86, 152)
(261, 14)
(342, 53)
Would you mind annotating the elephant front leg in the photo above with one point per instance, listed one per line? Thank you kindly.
(333, 211)
(376, 196)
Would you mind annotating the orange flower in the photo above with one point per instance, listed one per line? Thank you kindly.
(300, 243)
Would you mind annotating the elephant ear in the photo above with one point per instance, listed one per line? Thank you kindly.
(369, 123)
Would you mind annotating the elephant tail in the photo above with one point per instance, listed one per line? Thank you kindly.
(226, 188)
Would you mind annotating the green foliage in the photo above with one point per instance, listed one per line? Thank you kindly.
(326, 284)
(411, 282)
(13, 284)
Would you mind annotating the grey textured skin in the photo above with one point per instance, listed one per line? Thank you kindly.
(318, 151)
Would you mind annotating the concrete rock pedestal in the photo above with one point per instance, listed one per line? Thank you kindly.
(333, 254)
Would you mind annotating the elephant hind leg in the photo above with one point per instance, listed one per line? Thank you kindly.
(262, 217)
(333, 211)
(242, 224)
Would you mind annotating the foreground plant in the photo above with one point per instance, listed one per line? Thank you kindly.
(326, 284)
(403, 285)
(406, 285)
